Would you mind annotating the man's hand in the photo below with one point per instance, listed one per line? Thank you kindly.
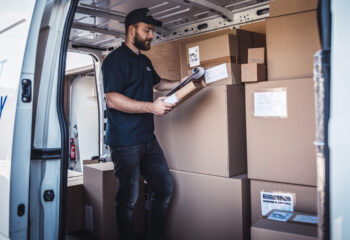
(159, 107)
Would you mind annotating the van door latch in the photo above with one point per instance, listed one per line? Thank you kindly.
(26, 90)
(49, 195)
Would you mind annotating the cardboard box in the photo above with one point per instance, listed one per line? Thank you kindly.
(206, 134)
(257, 27)
(208, 207)
(186, 92)
(171, 60)
(232, 70)
(265, 229)
(215, 49)
(100, 188)
(304, 197)
(253, 72)
(280, 119)
(292, 41)
(256, 55)
(166, 59)
(284, 7)
(75, 202)
(87, 162)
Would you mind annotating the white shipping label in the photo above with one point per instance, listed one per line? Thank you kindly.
(280, 216)
(305, 219)
(193, 55)
(171, 99)
(270, 103)
(276, 201)
(216, 73)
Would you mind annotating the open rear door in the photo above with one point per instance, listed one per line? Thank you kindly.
(19, 29)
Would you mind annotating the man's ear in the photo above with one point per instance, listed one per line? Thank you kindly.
(131, 30)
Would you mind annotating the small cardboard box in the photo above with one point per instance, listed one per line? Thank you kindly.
(280, 119)
(265, 229)
(256, 55)
(222, 74)
(100, 188)
(292, 41)
(186, 92)
(284, 7)
(253, 72)
(208, 207)
(303, 198)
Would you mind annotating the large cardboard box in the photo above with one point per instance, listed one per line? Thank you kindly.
(304, 198)
(292, 41)
(284, 7)
(208, 207)
(281, 130)
(206, 134)
(100, 188)
(265, 229)
(75, 202)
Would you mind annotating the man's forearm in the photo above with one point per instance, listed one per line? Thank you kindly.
(125, 104)
(166, 84)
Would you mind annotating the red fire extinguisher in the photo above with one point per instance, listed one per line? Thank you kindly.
(72, 149)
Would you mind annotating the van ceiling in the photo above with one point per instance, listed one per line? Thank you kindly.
(100, 23)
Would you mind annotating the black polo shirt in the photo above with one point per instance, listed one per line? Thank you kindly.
(132, 75)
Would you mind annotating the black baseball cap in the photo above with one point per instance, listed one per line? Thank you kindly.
(140, 15)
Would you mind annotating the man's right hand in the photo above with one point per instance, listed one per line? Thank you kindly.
(159, 107)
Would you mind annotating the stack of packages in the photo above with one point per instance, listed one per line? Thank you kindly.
(204, 137)
(280, 118)
(90, 201)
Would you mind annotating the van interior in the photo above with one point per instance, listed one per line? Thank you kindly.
(96, 27)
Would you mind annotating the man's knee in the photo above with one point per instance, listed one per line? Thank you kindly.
(128, 192)
(166, 189)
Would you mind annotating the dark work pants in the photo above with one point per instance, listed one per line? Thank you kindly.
(149, 161)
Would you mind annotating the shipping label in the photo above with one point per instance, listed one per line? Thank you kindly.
(276, 201)
(193, 55)
(216, 73)
(270, 103)
(305, 219)
(280, 216)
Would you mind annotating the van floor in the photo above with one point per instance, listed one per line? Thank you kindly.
(86, 235)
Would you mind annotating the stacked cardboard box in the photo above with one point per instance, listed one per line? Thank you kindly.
(255, 69)
(204, 141)
(280, 115)
(100, 188)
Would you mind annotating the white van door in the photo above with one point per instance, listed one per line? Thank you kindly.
(19, 29)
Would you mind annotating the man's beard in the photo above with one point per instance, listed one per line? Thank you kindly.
(141, 44)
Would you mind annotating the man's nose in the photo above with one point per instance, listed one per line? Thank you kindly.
(150, 35)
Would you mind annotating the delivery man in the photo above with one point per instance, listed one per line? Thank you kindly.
(129, 78)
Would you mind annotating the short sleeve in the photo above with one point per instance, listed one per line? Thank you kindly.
(114, 72)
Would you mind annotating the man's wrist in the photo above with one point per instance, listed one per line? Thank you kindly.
(148, 107)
